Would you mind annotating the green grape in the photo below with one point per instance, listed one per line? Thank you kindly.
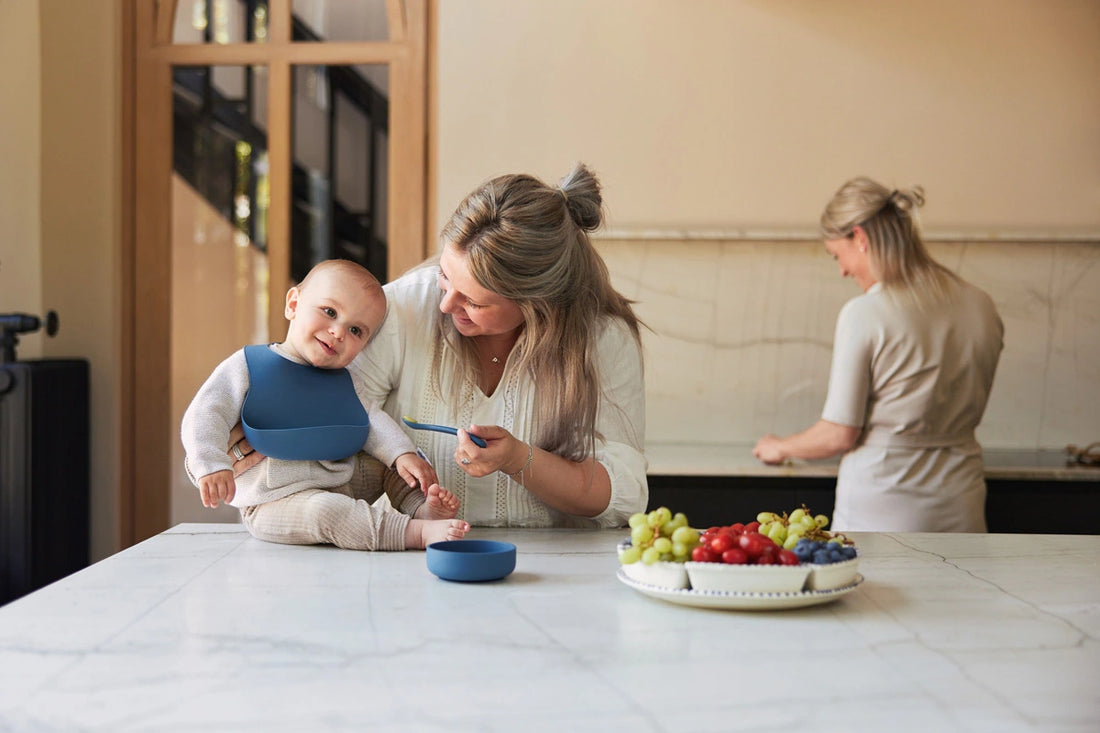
(821, 520)
(662, 545)
(637, 520)
(667, 529)
(653, 519)
(791, 541)
(630, 555)
(686, 535)
(650, 555)
(766, 517)
(679, 550)
(796, 516)
(641, 536)
(680, 519)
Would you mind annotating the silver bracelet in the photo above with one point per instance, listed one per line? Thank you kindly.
(530, 457)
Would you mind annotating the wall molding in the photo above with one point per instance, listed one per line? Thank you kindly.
(806, 235)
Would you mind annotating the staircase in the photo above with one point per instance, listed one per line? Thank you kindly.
(221, 151)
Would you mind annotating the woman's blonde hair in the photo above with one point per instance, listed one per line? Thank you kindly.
(899, 260)
(528, 242)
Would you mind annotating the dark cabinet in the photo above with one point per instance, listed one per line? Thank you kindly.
(44, 473)
(1012, 506)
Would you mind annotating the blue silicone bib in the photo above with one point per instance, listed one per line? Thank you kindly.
(299, 412)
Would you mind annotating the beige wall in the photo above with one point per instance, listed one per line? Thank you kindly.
(81, 221)
(20, 135)
(746, 114)
(59, 205)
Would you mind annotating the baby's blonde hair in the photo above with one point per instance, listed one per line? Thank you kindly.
(346, 268)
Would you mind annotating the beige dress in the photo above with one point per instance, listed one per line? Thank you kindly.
(917, 382)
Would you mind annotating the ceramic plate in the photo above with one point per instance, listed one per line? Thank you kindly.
(739, 601)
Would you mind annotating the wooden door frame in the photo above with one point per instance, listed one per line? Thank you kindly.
(145, 303)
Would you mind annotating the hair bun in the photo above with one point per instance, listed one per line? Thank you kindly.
(583, 200)
(908, 200)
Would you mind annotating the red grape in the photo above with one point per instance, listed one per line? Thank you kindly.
(702, 553)
(735, 556)
(722, 542)
(786, 557)
(753, 543)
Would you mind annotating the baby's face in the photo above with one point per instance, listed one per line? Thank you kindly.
(332, 319)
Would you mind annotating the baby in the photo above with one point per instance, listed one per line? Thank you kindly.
(299, 499)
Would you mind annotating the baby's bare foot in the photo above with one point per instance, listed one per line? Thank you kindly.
(423, 532)
(440, 504)
(444, 529)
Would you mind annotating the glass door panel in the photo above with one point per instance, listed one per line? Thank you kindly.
(220, 21)
(341, 157)
(340, 20)
(218, 229)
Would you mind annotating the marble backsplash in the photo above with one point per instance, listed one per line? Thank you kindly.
(742, 335)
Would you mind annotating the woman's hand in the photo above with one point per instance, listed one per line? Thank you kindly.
(243, 455)
(821, 440)
(502, 452)
(768, 449)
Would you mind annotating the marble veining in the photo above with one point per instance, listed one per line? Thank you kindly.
(203, 627)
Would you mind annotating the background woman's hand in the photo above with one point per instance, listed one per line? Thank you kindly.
(767, 449)
(248, 456)
(502, 451)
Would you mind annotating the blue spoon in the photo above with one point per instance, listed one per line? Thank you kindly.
(439, 429)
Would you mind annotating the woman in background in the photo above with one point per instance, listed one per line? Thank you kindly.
(913, 364)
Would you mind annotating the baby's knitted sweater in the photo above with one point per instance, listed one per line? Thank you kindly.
(216, 408)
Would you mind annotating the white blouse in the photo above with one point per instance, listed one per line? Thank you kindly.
(397, 369)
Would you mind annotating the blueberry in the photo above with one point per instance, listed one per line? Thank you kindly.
(821, 557)
(849, 552)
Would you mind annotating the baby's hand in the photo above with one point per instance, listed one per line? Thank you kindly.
(217, 487)
(415, 471)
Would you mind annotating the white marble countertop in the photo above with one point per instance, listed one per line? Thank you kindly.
(736, 459)
(204, 628)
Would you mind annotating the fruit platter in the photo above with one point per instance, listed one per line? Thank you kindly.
(777, 560)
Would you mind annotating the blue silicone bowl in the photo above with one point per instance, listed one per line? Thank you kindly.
(471, 560)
